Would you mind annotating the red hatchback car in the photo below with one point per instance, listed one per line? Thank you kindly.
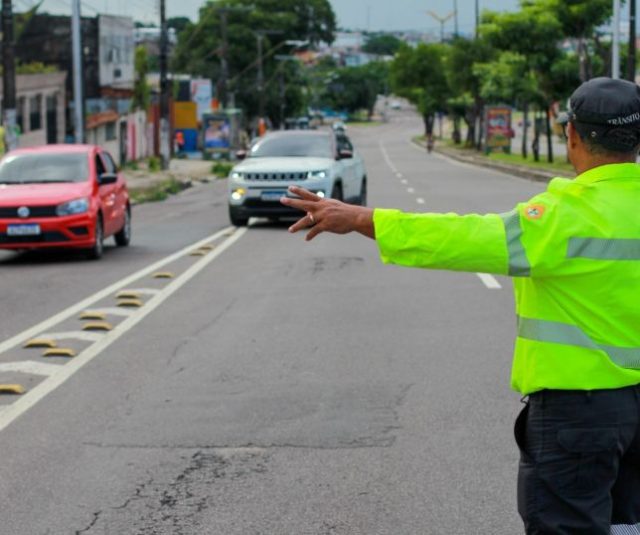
(62, 196)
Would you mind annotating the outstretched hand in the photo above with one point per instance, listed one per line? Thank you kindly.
(328, 215)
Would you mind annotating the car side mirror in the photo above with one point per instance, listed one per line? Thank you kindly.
(241, 154)
(107, 178)
(344, 154)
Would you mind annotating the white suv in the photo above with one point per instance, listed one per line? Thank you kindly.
(322, 161)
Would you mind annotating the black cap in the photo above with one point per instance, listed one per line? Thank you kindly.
(608, 112)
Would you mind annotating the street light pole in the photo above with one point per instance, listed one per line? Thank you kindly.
(76, 48)
(615, 45)
(455, 18)
(9, 77)
(631, 55)
(442, 21)
(260, 37)
(165, 144)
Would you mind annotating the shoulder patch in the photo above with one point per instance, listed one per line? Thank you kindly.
(534, 211)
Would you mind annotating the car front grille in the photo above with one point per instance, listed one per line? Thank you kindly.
(45, 237)
(34, 211)
(276, 176)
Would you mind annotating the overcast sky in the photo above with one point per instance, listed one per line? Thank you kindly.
(374, 15)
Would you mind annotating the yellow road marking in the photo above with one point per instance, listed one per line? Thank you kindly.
(130, 303)
(91, 315)
(12, 389)
(59, 352)
(164, 275)
(197, 253)
(41, 342)
(97, 326)
(128, 294)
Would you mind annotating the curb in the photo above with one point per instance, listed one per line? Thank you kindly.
(535, 175)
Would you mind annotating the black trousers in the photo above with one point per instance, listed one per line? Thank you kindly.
(579, 470)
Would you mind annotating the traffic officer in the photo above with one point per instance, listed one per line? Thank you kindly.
(574, 253)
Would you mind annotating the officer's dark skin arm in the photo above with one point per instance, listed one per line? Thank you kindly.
(329, 215)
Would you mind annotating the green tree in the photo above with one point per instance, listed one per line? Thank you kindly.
(178, 23)
(141, 91)
(465, 100)
(357, 88)
(383, 44)
(534, 33)
(417, 74)
(200, 47)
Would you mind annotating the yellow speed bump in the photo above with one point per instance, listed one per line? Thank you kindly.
(90, 315)
(128, 294)
(163, 275)
(198, 252)
(97, 326)
(59, 352)
(41, 342)
(206, 248)
(134, 303)
(12, 389)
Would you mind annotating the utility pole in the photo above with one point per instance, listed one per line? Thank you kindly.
(615, 45)
(631, 55)
(282, 98)
(477, 18)
(224, 65)
(455, 18)
(165, 144)
(260, 37)
(8, 77)
(78, 93)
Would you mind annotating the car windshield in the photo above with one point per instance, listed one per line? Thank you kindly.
(42, 168)
(299, 145)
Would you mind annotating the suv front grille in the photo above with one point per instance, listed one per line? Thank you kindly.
(275, 176)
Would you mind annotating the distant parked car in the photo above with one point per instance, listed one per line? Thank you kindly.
(62, 196)
(322, 161)
(395, 105)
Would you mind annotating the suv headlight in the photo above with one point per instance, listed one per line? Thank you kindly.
(318, 174)
(76, 206)
(236, 174)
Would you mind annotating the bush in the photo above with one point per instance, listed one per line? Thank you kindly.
(154, 164)
(221, 169)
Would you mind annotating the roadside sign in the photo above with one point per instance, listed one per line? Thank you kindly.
(497, 129)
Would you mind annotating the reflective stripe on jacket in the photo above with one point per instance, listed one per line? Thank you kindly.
(574, 253)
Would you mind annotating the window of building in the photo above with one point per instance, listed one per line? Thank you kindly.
(35, 113)
(110, 131)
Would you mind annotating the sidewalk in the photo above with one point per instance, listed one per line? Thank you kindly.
(181, 174)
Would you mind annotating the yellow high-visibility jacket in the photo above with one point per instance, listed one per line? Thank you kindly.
(574, 253)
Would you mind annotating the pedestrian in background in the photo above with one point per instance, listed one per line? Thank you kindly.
(574, 253)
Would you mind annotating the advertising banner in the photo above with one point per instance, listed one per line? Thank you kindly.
(201, 94)
(498, 132)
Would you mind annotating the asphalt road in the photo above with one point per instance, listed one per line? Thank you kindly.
(273, 386)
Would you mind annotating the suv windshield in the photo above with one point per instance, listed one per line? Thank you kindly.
(39, 168)
(318, 146)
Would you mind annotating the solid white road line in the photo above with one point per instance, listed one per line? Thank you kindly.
(28, 400)
(489, 281)
(115, 311)
(86, 336)
(106, 292)
(31, 367)
(146, 291)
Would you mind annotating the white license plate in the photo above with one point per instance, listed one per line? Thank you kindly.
(23, 230)
(273, 195)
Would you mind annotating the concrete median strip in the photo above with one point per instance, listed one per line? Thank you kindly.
(12, 411)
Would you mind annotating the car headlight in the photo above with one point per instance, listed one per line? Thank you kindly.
(318, 174)
(76, 206)
(236, 175)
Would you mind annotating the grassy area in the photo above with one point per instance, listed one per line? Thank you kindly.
(560, 165)
(158, 192)
(221, 169)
